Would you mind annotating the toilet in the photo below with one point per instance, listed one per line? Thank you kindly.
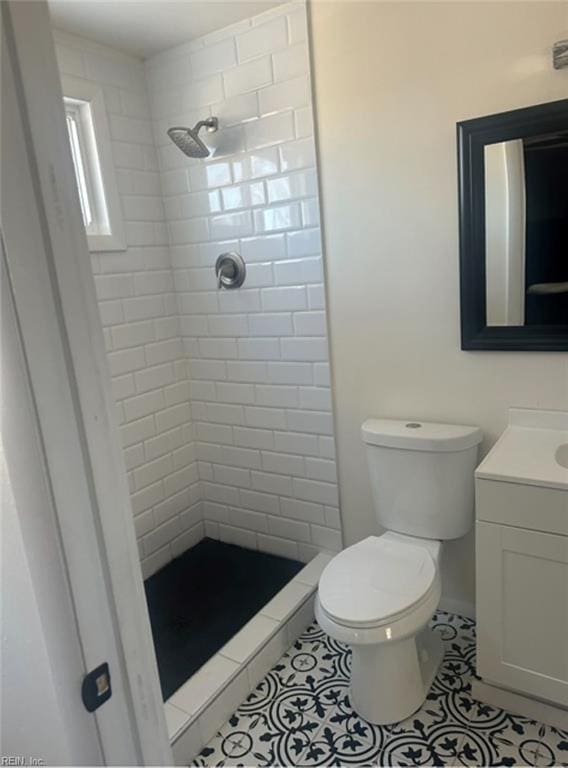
(379, 594)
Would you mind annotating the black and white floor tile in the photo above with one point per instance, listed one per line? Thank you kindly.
(300, 715)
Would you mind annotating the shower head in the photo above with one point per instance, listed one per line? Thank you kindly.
(187, 139)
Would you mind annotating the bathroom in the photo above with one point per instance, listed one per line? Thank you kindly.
(330, 188)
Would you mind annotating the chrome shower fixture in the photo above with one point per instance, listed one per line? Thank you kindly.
(187, 139)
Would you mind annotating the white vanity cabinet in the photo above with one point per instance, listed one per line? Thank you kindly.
(522, 567)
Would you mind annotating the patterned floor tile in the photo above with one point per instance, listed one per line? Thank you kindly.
(494, 736)
(459, 636)
(454, 629)
(553, 749)
(301, 715)
(357, 745)
(257, 740)
(437, 745)
(500, 746)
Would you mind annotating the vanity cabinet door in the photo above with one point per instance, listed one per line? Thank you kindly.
(522, 610)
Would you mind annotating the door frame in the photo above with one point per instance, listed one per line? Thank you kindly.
(50, 276)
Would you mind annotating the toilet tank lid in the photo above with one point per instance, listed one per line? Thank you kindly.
(420, 435)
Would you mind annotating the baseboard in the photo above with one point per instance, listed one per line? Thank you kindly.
(461, 607)
(519, 704)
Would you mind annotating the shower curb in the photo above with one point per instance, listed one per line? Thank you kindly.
(226, 680)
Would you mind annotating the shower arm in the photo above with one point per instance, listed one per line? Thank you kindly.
(211, 123)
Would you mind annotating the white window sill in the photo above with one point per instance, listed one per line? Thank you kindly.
(100, 243)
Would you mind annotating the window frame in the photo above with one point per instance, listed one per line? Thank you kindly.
(85, 101)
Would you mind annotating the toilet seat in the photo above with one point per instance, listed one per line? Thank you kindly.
(376, 581)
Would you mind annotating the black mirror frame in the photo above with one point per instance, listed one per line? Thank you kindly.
(473, 135)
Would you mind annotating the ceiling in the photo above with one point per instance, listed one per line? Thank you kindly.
(145, 27)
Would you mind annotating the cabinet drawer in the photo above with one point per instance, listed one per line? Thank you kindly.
(524, 506)
(522, 610)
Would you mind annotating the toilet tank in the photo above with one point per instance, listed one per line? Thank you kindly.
(422, 476)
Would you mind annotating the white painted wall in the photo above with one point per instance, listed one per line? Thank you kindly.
(391, 81)
(258, 356)
(138, 309)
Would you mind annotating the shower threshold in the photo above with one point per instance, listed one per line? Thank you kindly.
(200, 600)
(196, 711)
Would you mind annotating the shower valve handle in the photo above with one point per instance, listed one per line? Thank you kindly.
(231, 270)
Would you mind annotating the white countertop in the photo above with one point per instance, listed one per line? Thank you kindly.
(525, 452)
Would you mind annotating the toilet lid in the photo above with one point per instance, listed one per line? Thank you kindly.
(375, 580)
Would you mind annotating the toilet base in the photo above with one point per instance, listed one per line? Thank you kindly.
(390, 681)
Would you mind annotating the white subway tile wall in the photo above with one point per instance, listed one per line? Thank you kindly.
(223, 397)
(260, 397)
(140, 318)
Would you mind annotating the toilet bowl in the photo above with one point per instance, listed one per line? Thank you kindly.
(379, 595)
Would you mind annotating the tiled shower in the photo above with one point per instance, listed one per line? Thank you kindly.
(223, 396)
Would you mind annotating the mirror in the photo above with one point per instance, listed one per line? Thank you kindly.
(514, 229)
(526, 231)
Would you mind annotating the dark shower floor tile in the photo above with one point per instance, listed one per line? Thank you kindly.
(202, 598)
